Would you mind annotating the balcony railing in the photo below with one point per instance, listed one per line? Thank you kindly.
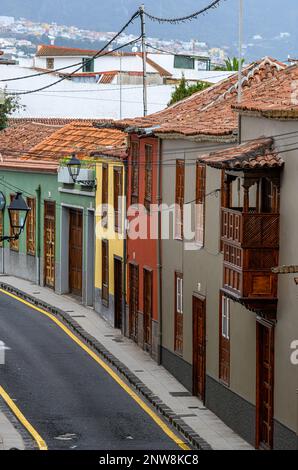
(250, 230)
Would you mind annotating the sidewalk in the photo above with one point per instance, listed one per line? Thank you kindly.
(9, 436)
(157, 379)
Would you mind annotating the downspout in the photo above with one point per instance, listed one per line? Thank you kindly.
(3, 245)
(124, 251)
(38, 192)
(159, 250)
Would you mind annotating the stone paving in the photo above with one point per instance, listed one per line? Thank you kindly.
(156, 378)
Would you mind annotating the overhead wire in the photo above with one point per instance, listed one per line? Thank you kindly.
(183, 19)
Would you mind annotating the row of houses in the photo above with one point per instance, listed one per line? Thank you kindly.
(171, 232)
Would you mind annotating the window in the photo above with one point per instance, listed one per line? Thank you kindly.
(30, 226)
(14, 244)
(184, 62)
(135, 173)
(105, 195)
(148, 176)
(50, 63)
(118, 199)
(200, 203)
(88, 65)
(105, 272)
(179, 313)
(179, 199)
(224, 340)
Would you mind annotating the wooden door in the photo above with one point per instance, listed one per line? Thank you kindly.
(148, 309)
(49, 243)
(265, 386)
(75, 252)
(118, 292)
(133, 301)
(199, 347)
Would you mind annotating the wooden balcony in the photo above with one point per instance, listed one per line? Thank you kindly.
(250, 243)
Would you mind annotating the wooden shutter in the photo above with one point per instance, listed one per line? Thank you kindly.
(179, 313)
(14, 244)
(200, 203)
(105, 195)
(118, 193)
(224, 340)
(105, 272)
(135, 173)
(31, 226)
(179, 199)
(148, 176)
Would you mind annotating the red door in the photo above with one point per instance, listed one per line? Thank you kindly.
(147, 310)
(265, 386)
(133, 301)
(199, 347)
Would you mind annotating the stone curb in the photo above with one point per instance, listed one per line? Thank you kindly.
(195, 440)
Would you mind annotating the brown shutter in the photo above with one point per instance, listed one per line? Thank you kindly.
(105, 272)
(30, 226)
(14, 244)
(105, 194)
(179, 199)
(135, 173)
(224, 345)
(148, 176)
(117, 195)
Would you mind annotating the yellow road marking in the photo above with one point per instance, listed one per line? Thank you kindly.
(40, 442)
(117, 379)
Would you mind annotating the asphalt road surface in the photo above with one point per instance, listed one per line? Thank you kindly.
(70, 400)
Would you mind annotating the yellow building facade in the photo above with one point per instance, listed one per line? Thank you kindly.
(109, 251)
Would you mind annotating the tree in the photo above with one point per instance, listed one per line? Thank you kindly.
(183, 90)
(231, 65)
(8, 105)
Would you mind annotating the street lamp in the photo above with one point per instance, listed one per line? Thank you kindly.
(74, 167)
(18, 213)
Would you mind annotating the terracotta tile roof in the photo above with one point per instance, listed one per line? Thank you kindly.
(209, 112)
(29, 165)
(52, 121)
(79, 137)
(19, 138)
(257, 154)
(107, 77)
(45, 50)
(276, 98)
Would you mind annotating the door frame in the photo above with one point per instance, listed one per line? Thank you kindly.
(81, 211)
(260, 323)
(49, 201)
(118, 259)
(134, 336)
(201, 298)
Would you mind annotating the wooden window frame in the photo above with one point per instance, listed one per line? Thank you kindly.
(14, 245)
(31, 227)
(224, 340)
(148, 176)
(179, 199)
(178, 335)
(105, 273)
(200, 204)
(118, 174)
(135, 153)
(105, 195)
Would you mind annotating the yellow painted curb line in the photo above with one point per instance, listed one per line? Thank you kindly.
(117, 379)
(40, 442)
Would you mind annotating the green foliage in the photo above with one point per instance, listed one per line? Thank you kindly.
(183, 90)
(8, 105)
(231, 65)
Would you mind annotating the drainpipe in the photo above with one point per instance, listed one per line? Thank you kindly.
(38, 192)
(124, 251)
(3, 245)
(159, 250)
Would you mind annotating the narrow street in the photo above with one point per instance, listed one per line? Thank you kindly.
(70, 400)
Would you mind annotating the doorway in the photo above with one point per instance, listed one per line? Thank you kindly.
(118, 293)
(49, 243)
(148, 309)
(199, 347)
(75, 252)
(133, 301)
